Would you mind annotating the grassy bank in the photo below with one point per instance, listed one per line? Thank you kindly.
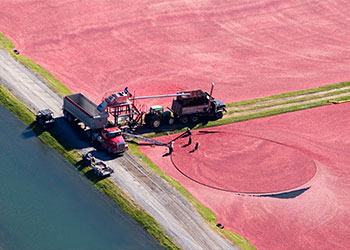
(290, 94)
(73, 156)
(55, 84)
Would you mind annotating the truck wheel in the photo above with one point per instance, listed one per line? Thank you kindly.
(147, 120)
(194, 118)
(155, 123)
(70, 118)
(65, 114)
(219, 115)
(184, 119)
(171, 121)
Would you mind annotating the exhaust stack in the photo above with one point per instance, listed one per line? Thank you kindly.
(210, 95)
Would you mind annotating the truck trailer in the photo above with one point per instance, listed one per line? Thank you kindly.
(195, 105)
(78, 108)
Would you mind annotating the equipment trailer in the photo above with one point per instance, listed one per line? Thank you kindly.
(99, 167)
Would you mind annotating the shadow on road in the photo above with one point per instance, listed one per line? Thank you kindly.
(70, 136)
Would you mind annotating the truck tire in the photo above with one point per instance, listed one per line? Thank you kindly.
(171, 120)
(184, 119)
(65, 114)
(194, 118)
(147, 120)
(155, 123)
(70, 118)
(219, 115)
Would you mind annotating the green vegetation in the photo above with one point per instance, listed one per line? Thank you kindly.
(294, 100)
(207, 215)
(73, 156)
(6, 44)
(290, 94)
(55, 84)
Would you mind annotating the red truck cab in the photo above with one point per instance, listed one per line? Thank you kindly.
(112, 140)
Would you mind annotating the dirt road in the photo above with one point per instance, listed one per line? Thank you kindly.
(163, 202)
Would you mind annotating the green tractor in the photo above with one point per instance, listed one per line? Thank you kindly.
(156, 116)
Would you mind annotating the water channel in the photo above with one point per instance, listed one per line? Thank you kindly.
(46, 204)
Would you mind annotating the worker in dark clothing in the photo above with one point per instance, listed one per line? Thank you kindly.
(189, 140)
(171, 147)
(126, 91)
(195, 147)
(189, 131)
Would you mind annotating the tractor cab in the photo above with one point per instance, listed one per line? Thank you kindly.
(45, 118)
(156, 109)
(156, 116)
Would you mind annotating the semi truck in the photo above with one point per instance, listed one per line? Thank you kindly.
(78, 108)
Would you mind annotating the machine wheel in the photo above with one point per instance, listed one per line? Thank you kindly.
(219, 115)
(70, 118)
(155, 123)
(171, 121)
(65, 114)
(184, 119)
(194, 118)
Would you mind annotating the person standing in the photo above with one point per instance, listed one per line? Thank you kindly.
(171, 147)
(189, 140)
(196, 146)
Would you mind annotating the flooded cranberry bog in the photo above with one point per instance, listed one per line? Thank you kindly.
(280, 182)
(250, 48)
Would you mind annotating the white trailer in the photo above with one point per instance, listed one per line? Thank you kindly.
(79, 107)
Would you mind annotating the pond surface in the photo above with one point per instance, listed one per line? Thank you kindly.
(46, 204)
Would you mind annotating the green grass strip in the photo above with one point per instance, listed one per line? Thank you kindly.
(207, 215)
(55, 84)
(276, 111)
(294, 100)
(290, 94)
(73, 156)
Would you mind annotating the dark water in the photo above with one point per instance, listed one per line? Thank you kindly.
(46, 204)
